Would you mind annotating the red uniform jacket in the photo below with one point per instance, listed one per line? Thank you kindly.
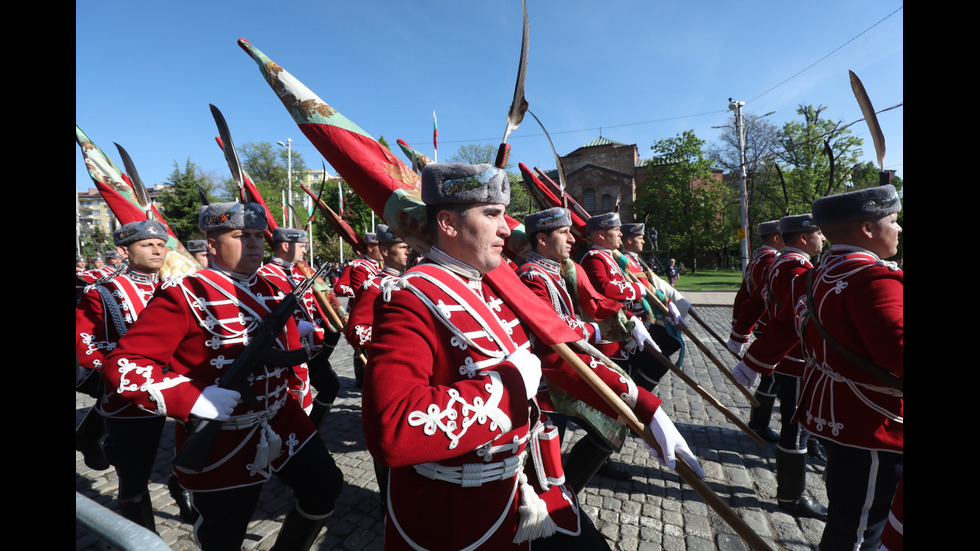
(609, 280)
(450, 417)
(778, 347)
(105, 313)
(542, 276)
(355, 274)
(361, 308)
(749, 307)
(196, 325)
(859, 300)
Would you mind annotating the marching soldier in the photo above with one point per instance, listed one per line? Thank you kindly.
(661, 327)
(360, 269)
(352, 279)
(289, 246)
(749, 317)
(449, 396)
(395, 255)
(851, 322)
(777, 350)
(106, 312)
(549, 234)
(194, 328)
(608, 277)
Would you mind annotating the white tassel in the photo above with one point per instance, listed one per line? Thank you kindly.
(275, 443)
(535, 522)
(261, 453)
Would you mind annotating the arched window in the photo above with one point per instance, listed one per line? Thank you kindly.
(589, 202)
(607, 203)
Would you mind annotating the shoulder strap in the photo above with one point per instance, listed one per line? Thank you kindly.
(869, 367)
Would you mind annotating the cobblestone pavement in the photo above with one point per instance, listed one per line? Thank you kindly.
(653, 511)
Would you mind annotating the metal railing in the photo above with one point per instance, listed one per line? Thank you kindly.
(110, 527)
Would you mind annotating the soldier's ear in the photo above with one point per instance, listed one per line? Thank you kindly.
(447, 223)
(123, 252)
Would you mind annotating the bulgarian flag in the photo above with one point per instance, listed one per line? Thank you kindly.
(435, 137)
(419, 159)
(118, 193)
(393, 190)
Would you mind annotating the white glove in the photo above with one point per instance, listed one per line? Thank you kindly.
(305, 329)
(745, 375)
(530, 367)
(735, 346)
(686, 304)
(307, 336)
(675, 314)
(672, 443)
(216, 403)
(642, 336)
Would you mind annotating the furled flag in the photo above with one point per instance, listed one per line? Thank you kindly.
(340, 195)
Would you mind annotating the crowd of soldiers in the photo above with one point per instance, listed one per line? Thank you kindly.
(466, 394)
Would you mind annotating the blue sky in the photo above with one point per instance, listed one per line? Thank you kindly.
(634, 71)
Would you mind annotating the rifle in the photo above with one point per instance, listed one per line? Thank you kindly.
(201, 433)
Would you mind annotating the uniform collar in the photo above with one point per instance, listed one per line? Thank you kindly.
(233, 275)
(458, 267)
(280, 262)
(549, 265)
(141, 277)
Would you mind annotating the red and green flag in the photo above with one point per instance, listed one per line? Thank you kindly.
(118, 192)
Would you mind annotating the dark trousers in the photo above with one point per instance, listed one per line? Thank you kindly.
(792, 436)
(322, 376)
(860, 487)
(645, 369)
(224, 514)
(131, 447)
(589, 539)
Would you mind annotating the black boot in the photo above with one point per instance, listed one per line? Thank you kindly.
(759, 418)
(139, 510)
(583, 461)
(318, 413)
(381, 475)
(615, 470)
(791, 487)
(816, 452)
(88, 440)
(298, 531)
(183, 500)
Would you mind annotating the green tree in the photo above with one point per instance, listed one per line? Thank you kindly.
(681, 199)
(267, 165)
(180, 203)
(815, 159)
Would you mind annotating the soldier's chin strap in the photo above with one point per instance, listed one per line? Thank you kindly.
(867, 366)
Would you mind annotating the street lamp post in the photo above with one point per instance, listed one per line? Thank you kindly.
(289, 179)
(736, 106)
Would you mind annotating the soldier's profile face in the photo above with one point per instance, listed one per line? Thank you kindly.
(479, 234)
(556, 245)
(884, 235)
